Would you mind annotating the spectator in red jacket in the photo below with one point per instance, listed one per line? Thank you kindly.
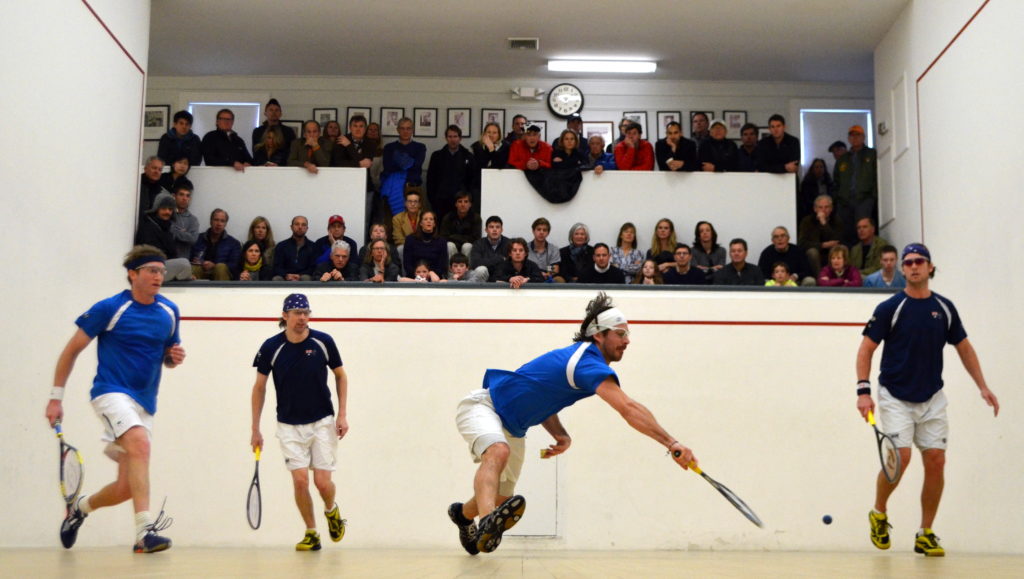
(634, 153)
(530, 153)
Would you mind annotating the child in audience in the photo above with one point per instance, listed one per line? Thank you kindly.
(421, 274)
(649, 274)
(780, 276)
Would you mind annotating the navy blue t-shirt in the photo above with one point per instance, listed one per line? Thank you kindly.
(300, 375)
(915, 331)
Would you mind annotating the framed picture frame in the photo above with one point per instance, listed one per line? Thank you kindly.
(322, 116)
(640, 118)
(543, 129)
(295, 126)
(604, 129)
(734, 121)
(424, 122)
(156, 119)
(353, 111)
(462, 118)
(763, 132)
(709, 114)
(493, 116)
(666, 117)
(389, 117)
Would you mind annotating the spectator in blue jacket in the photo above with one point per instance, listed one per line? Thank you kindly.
(216, 255)
(295, 257)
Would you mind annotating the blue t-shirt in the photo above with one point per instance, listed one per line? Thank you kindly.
(300, 375)
(915, 331)
(546, 385)
(131, 345)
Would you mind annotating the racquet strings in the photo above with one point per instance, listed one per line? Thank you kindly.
(254, 506)
(890, 457)
(71, 474)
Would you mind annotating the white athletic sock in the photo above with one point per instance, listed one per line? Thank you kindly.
(311, 531)
(142, 521)
(326, 511)
(920, 531)
(83, 505)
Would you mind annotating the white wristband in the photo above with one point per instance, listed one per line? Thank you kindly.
(57, 393)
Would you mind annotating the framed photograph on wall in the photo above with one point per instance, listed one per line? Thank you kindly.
(295, 126)
(734, 121)
(603, 129)
(424, 122)
(666, 117)
(155, 121)
(389, 117)
(493, 116)
(543, 129)
(763, 132)
(461, 118)
(322, 116)
(353, 111)
(640, 118)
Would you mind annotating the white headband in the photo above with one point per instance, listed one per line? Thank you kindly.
(606, 320)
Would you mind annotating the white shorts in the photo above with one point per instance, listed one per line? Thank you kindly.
(119, 412)
(309, 445)
(923, 423)
(480, 426)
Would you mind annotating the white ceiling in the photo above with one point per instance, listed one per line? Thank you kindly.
(723, 40)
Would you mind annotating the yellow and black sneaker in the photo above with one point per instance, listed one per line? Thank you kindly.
(879, 529)
(311, 542)
(335, 524)
(928, 544)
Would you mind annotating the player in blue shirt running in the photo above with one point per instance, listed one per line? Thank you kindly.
(138, 332)
(494, 419)
(307, 427)
(916, 324)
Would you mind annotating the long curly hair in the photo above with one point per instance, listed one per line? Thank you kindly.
(597, 305)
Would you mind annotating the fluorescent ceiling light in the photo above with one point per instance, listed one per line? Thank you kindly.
(628, 66)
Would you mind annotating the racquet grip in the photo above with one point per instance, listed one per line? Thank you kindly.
(871, 418)
(57, 428)
(258, 450)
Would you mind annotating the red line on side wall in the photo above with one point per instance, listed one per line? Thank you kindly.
(917, 99)
(105, 27)
(523, 321)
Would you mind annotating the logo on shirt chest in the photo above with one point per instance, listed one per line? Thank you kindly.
(310, 353)
(936, 315)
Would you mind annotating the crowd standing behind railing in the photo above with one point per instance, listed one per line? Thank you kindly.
(436, 235)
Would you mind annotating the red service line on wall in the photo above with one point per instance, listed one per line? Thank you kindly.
(527, 321)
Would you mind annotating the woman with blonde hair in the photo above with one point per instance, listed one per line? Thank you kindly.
(663, 244)
(271, 152)
(261, 233)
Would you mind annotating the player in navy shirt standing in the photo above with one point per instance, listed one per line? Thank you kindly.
(494, 419)
(916, 324)
(138, 332)
(306, 424)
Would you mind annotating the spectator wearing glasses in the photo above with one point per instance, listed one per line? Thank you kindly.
(222, 147)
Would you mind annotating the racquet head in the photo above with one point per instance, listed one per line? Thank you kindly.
(254, 502)
(71, 471)
(730, 496)
(890, 457)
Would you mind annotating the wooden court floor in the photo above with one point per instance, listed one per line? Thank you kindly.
(337, 561)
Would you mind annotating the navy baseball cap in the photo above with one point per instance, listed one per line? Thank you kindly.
(917, 248)
(295, 302)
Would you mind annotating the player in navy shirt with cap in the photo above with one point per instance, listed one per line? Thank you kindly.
(307, 427)
(494, 419)
(137, 332)
(916, 324)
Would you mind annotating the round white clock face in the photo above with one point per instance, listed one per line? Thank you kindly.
(564, 100)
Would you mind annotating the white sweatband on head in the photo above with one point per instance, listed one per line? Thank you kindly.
(606, 320)
(57, 393)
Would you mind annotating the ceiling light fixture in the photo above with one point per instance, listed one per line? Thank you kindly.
(617, 66)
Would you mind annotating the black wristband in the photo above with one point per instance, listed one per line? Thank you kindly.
(865, 390)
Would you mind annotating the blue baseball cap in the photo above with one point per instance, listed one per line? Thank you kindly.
(917, 248)
(295, 302)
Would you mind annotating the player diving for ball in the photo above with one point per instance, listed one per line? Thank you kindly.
(494, 419)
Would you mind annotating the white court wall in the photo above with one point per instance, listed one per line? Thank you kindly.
(279, 194)
(72, 102)
(746, 205)
(766, 403)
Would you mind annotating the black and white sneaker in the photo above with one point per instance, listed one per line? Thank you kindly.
(498, 521)
(69, 528)
(467, 530)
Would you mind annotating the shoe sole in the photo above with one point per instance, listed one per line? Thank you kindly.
(313, 548)
(929, 554)
(156, 549)
(502, 519)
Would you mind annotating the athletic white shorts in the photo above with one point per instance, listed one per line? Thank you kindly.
(923, 423)
(309, 445)
(480, 426)
(118, 412)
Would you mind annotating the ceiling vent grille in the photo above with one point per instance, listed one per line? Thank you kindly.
(524, 43)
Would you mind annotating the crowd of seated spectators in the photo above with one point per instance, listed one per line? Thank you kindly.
(429, 232)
